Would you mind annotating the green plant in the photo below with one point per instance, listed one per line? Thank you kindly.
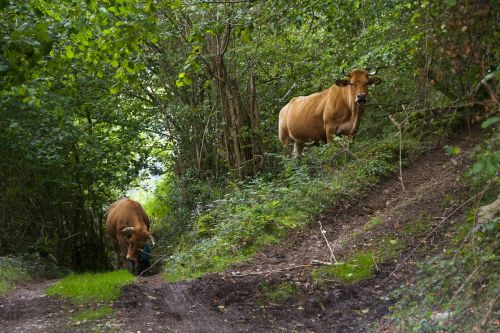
(358, 267)
(487, 155)
(372, 223)
(92, 287)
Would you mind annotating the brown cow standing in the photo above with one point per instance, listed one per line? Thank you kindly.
(336, 110)
(128, 226)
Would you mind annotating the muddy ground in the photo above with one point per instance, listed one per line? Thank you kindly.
(234, 301)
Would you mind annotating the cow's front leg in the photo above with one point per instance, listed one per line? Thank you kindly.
(330, 132)
(117, 256)
(117, 260)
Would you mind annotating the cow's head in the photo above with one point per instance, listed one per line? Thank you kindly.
(136, 239)
(357, 82)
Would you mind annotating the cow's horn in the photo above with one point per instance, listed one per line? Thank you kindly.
(373, 72)
(127, 230)
(152, 239)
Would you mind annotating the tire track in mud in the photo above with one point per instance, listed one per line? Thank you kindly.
(155, 306)
(29, 310)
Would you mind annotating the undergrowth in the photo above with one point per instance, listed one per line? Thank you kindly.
(28, 266)
(458, 291)
(92, 287)
(12, 270)
(261, 211)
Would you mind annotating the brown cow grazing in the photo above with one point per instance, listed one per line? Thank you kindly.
(336, 110)
(128, 226)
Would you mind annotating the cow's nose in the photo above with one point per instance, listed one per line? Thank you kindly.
(129, 257)
(361, 97)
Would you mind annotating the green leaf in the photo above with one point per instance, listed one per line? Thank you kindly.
(69, 51)
(490, 121)
(451, 2)
(451, 150)
(114, 63)
(245, 36)
(176, 4)
(114, 90)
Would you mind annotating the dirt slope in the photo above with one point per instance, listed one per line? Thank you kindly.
(234, 302)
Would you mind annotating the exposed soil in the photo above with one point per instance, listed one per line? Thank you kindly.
(234, 301)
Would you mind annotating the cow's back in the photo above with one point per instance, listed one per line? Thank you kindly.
(125, 213)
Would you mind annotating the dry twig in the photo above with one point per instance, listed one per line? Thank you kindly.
(323, 232)
(238, 274)
(399, 126)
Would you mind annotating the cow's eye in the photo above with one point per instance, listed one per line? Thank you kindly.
(351, 84)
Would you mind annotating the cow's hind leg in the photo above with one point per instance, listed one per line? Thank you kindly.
(297, 148)
(283, 135)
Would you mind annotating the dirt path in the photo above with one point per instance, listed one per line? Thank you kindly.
(234, 301)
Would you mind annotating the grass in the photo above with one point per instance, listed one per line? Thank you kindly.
(93, 314)
(92, 287)
(418, 227)
(279, 292)
(372, 223)
(360, 265)
(357, 268)
(12, 271)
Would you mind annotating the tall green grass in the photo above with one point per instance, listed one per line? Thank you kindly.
(92, 287)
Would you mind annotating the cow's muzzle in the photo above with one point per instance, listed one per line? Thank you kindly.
(360, 99)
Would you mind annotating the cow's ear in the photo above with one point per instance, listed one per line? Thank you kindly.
(375, 80)
(342, 82)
